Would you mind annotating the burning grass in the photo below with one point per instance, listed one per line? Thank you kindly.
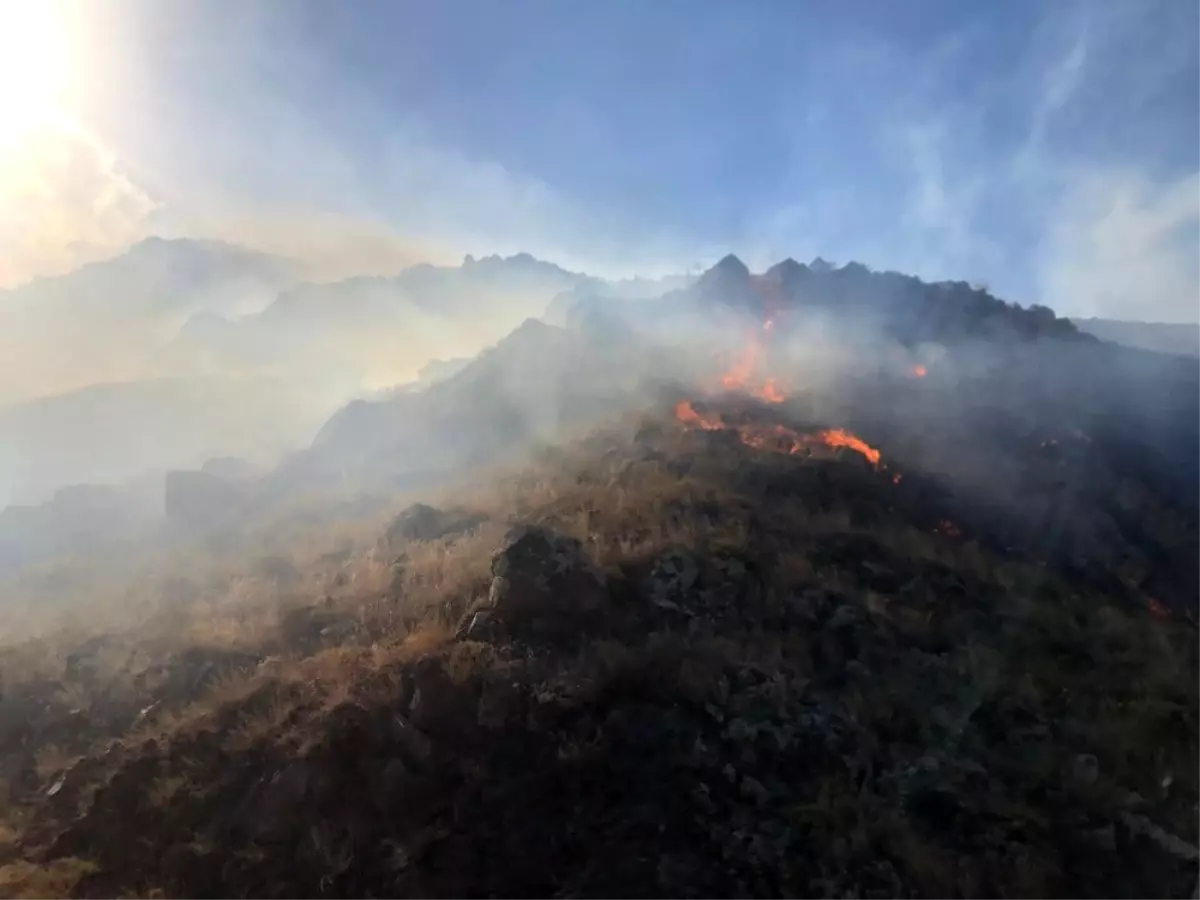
(749, 375)
(774, 436)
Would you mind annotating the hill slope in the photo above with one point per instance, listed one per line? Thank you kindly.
(822, 592)
(701, 666)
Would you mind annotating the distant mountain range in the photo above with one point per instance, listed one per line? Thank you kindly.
(109, 433)
(107, 320)
(249, 362)
(372, 332)
(609, 353)
(181, 349)
(1183, 338)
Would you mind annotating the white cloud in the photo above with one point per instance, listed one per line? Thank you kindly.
(1121, 246)
(1117, 237)
(1093, 231)
(64, 200)
(943, 205)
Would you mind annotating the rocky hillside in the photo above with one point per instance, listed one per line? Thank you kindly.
(725, 648)
(820, 593)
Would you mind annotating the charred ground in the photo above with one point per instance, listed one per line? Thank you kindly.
(664, 662)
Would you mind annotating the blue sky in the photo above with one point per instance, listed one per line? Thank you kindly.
(1050, 150)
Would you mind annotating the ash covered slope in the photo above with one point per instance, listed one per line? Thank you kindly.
(698, 667)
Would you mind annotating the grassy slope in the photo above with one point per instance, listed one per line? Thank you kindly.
(855, 699)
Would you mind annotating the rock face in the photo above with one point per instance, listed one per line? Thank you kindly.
(421, 522)
(543, 586)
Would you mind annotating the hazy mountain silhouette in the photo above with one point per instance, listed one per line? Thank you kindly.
(613, 351)
(379, 331)
(111, 432)
(1026, 362)
(106, 320)
(1163, 337)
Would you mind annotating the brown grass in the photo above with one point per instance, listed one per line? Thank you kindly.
(55, 879)
(50, 760)
(626, 515)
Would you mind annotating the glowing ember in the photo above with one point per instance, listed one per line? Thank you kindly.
(896, 478)
(919, 371)
(948, 528)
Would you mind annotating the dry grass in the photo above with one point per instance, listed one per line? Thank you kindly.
(9, 835)
(391, 605)
(164, 789)
(50, 760)
(56, 879)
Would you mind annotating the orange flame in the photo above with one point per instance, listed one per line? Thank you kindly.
(686, 413)
(770, 392)
(838, 437)
(741, 374)
(776, 437)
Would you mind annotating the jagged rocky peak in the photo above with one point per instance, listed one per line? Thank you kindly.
(730, 272)
(495, 259)
(785, 270)
(730, 265)
(822, 265)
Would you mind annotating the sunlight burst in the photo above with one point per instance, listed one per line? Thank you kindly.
(34, 65)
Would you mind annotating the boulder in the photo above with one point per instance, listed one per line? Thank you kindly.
(436, 707)
(672, 579)
(306, 628)
(543, 586)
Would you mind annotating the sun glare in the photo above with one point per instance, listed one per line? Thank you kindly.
(34, 64)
